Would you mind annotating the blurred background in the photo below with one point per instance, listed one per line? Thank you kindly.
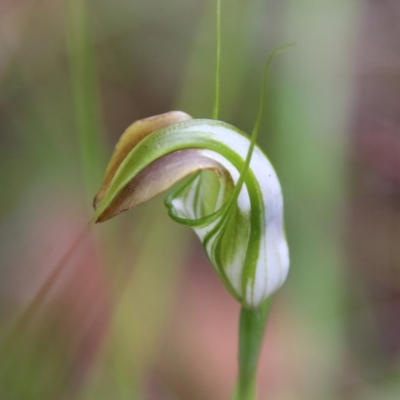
(131, 309)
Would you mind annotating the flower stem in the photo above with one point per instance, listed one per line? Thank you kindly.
(251, 332)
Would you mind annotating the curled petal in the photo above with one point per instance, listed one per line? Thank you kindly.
(157, 177)
(241, 230)
(130, 138)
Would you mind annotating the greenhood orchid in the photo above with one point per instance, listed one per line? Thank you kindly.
(224, 187)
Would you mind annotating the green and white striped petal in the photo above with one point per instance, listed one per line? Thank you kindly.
(240, 225)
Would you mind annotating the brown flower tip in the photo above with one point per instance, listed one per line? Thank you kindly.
(129, 139)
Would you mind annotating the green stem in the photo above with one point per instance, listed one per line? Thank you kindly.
(218, 63)
(251, 332)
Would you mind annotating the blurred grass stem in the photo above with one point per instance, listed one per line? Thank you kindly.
(30, 311)
(84, 91)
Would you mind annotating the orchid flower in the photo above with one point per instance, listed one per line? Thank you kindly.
(236, 210)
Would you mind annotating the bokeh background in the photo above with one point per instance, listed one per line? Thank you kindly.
(131, 309)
